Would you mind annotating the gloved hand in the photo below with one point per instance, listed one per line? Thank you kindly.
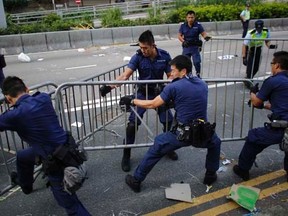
(254, 89)
(105, 90)
(273, 46)
(185, 44)
(245, 62)
(207, 38)
(126, 101)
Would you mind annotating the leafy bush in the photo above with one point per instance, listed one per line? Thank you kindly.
(111, 17)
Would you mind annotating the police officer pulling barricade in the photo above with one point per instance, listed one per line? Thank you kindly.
(151, 63)
(188, 35)
(34, 119)
(274, 92)
(252, 49)
(190, 97)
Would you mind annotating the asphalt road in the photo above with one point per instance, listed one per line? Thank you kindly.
(105, 192)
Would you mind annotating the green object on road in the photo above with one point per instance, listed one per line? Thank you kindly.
(245, 196)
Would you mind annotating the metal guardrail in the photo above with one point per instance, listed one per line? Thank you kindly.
(99, 123)
(129, 7)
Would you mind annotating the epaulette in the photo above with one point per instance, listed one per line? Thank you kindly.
(174, 80)
(138, 52)
(253, 31)
(265, 29)
(36, 93)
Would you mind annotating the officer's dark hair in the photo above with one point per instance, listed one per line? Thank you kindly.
(281, 57)
(190, 13)
(147, 38)
(182, 62)
(13, 86)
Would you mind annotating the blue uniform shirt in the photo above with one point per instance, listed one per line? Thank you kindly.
(151, 69)
(35, 121)
(275, 89)
(190, 97)
(191, 34)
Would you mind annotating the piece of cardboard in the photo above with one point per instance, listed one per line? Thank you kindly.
(180, 192)
(245, 196)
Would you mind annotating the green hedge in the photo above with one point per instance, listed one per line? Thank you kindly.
(113, 17)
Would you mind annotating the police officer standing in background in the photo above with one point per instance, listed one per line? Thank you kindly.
(188, 35)
(35, 121)
(245, 18)
(190, 95)
(275, 91)
(252, 49)
(151, 63)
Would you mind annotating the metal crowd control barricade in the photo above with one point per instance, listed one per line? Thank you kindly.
(10, 142)
(222, 57)
(99, 123)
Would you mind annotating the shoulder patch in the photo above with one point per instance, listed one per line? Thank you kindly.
(265, 29)
(252, 31)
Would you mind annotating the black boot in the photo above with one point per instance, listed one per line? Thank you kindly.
(125, 164)
(210, 177)
(15, 181)
(133, 183)
(244, 174)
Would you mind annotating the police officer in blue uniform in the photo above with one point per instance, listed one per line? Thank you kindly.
(274, 91)
(252, 49)
(151, 63)
(35, 121)
(188, 35)
(190, 95)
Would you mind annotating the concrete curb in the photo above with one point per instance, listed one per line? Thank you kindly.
(41, 42)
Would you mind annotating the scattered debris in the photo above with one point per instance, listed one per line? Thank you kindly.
(226, 161)
(222, 169)
(81, 50)
(23, 57)
(244, 196)
(126, 58)
(208, 187)
(77, 124)
(40, 59)
(180, 192)
(104, 47)
(101, 55)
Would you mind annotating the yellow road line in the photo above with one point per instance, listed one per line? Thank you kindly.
(215, 195)
(232, 205)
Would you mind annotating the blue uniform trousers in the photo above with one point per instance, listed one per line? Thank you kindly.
(194, 52)
(258, 139)
(165, 116)
(167, 142)
(25, 169)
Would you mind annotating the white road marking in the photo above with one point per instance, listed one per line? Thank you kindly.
(80, 67)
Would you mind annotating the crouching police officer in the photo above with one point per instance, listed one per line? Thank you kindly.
(189, 95)
(35, 121)
(274, 90)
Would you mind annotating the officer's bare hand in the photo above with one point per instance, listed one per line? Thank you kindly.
(273, 46)
(245, 62)
(105, 90)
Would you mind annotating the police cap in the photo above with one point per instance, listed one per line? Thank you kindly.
(259, 24)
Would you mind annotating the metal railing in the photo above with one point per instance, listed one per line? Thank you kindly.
(222, 57)
(129, 7)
